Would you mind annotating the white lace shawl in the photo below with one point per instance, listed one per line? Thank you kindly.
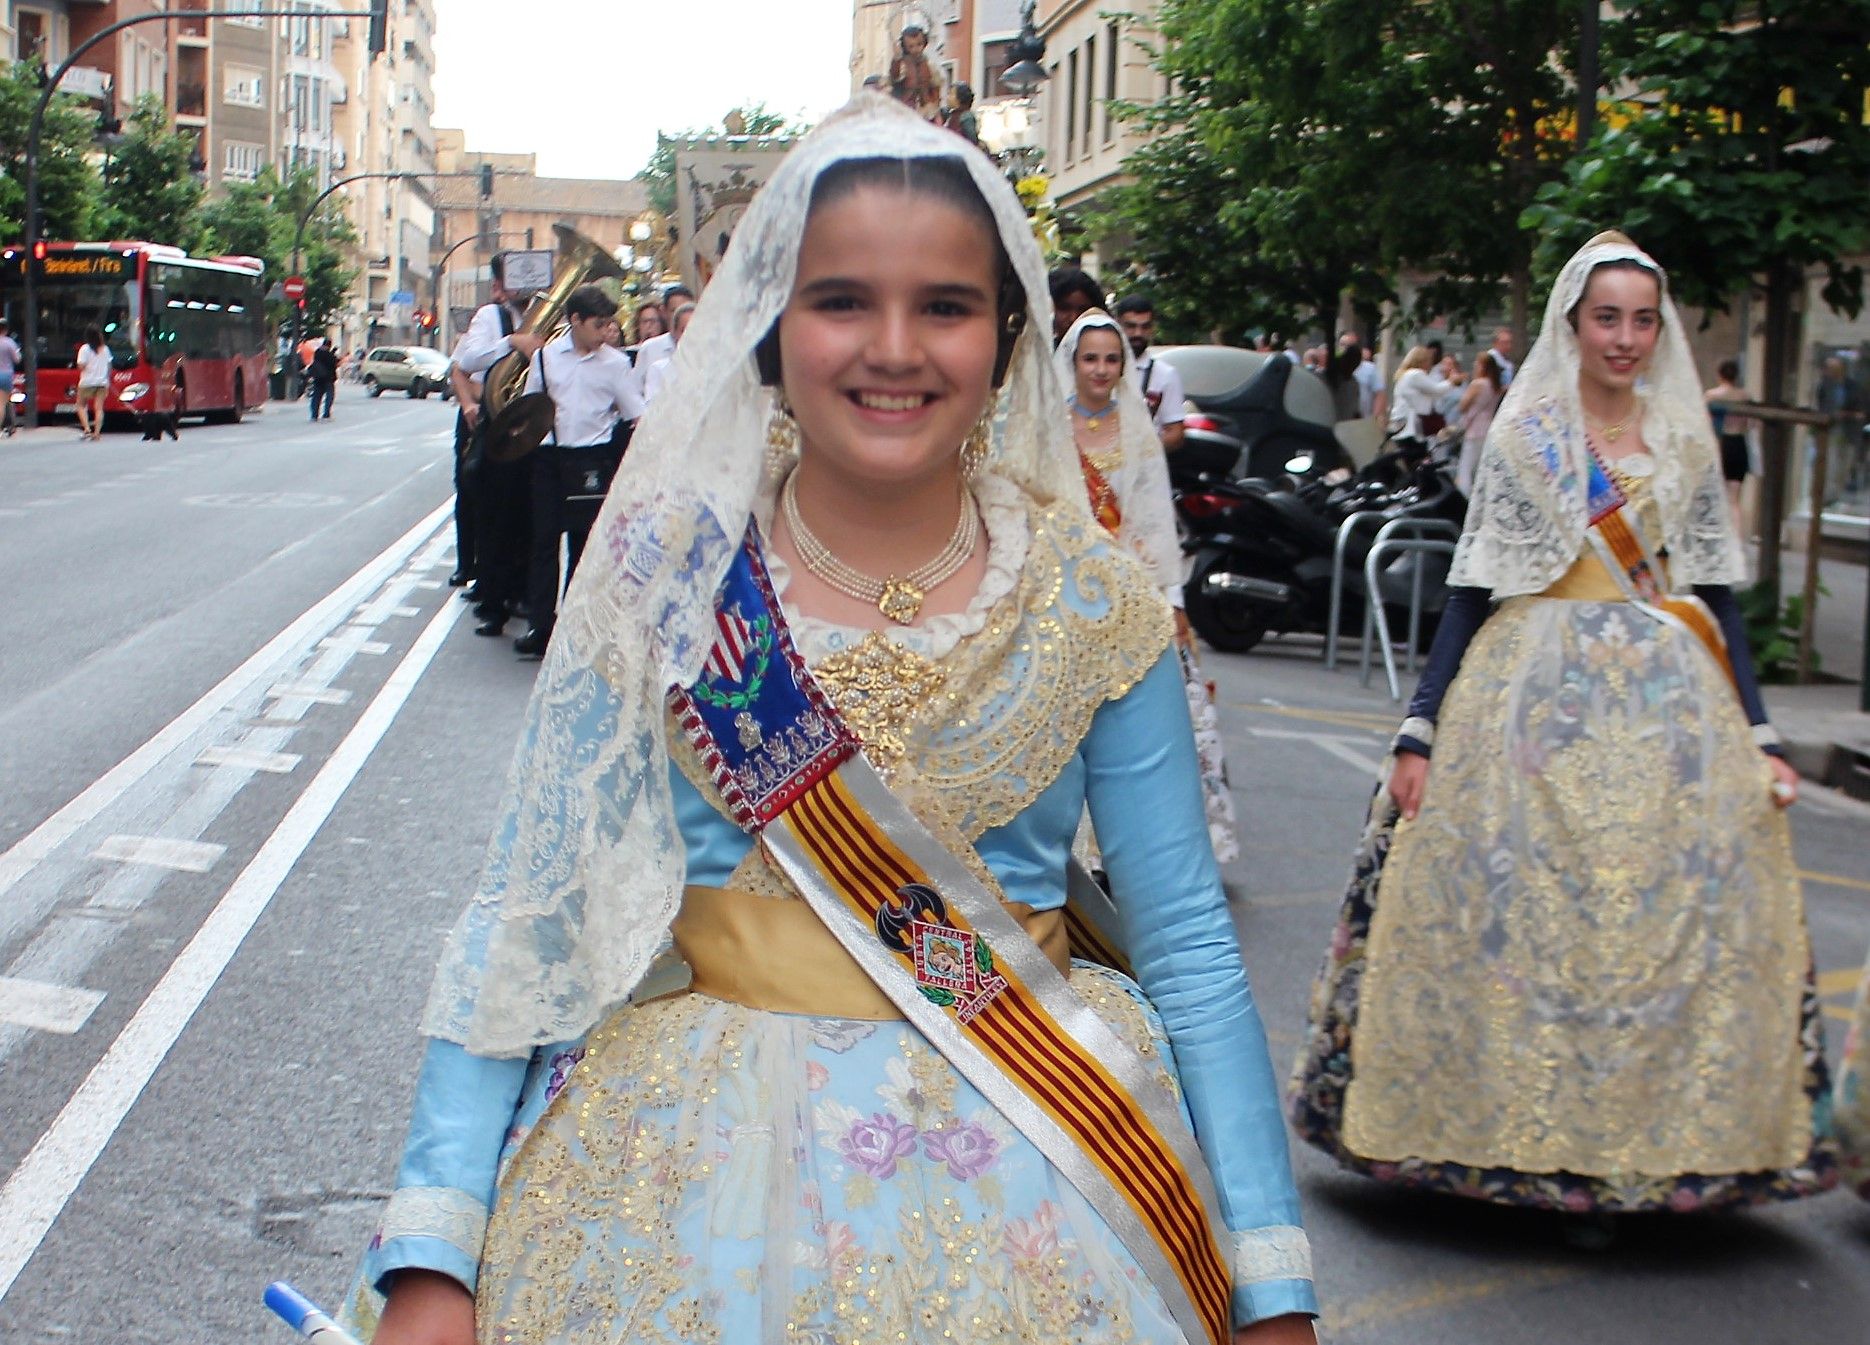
(1526, 515)
(585, 868)
(1140, 480)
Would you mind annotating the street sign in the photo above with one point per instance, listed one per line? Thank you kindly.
(294, 287)
(529, 270)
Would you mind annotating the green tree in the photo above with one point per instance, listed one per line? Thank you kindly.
(658, 175)
(1314, 149)
(67, 181)
(260, 219)
(150, 187)
(1741, 158)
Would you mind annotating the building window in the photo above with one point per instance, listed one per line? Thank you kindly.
(1090, 87)
(1071, 106)
(244, 86)
(995, 57)
(1110, 79)
(246, 20)
(35, 36)
(242, 162)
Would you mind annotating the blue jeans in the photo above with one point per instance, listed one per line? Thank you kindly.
(322, 392)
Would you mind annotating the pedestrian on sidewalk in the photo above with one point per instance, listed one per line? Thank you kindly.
(1571, 970)
(852, 539)
(93, 362)
(1479, 400)
(9, 368)
(1730, 432)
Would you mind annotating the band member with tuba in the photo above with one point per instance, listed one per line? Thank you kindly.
(595, 406)
(503, 507)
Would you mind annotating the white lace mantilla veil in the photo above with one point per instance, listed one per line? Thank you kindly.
(1525, 524)
(1141, 478)
(585, 869)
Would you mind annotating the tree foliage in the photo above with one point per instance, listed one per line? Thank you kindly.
(150, 190)
(1312, 150)
(1742, 149)
(658, 175)
(67, 181)
(260, 219)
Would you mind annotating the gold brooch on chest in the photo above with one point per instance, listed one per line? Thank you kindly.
(878, 687)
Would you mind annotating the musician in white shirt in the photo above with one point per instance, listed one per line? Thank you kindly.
(595, 404)
(1160, 385)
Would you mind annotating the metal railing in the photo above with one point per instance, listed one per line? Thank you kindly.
(1423, 536)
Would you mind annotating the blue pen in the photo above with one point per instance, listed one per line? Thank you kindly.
(303, 1316)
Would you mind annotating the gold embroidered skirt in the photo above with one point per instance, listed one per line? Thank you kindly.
(1580, 978)
(709, 1171)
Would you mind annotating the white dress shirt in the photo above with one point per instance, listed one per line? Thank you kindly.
(483, 344)
(591, 392)
(1152, 375)
(657, 350)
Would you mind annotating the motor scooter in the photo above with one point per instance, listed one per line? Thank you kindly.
(1271, 425)
(1262, 552)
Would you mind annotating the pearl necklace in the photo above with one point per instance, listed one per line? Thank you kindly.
(899, 598)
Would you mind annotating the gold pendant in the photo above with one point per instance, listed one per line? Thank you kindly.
(1093, 423)
(900, 601)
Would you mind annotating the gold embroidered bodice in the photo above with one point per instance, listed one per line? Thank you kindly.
(970, 739)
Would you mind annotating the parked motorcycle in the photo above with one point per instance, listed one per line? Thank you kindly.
(1262, 552)
(1253, 415)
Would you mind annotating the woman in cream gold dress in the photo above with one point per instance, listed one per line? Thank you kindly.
(1575, 974)
(846, 661)
(1127, 479)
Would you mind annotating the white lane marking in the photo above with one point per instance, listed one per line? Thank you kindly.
(300, 691)
(162, 852)
(352, 639)
(1342, 746)
(31, 849)
(248, 758)
(46, 1008)
(59, 1161)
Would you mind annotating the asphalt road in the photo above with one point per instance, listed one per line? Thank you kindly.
(250, 753)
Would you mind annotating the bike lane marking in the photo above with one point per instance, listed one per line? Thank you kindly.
(37, 1191)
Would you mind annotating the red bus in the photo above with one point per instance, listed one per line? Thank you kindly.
(186, 334)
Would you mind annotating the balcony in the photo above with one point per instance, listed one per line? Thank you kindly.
(191, 100)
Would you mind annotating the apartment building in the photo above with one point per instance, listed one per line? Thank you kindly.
(385, 124)
(116, 72)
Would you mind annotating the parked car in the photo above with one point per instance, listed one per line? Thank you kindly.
(414, 370)
(1250, 414)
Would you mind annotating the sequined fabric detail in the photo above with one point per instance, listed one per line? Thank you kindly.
(1586, 983)
(878, 687)
(715, 1173)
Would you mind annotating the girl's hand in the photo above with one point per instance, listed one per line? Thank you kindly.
(1292, 1329)
(1408, 778)
(426, 1308)
(1785, 782)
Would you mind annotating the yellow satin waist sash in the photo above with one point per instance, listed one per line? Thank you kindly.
(1589, 581)
(776, 954)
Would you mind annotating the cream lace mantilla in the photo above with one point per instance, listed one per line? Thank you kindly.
(1526, 516)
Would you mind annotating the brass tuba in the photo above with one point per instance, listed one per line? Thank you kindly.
(516, 423)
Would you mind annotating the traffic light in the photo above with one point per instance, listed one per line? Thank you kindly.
(486, 182)
(379, 26)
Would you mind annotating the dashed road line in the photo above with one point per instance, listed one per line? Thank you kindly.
(37, 1191)
(162, 852)
(46, 1008)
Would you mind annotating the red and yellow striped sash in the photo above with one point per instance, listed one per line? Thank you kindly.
(1023, 1039)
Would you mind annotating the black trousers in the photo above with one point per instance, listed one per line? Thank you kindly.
(467, 496)
(568, 485)
(502, 528)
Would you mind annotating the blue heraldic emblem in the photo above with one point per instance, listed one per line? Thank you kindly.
(953, 967)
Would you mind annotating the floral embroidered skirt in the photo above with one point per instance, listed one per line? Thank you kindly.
(1580, 978)
(1853, 1100)
(705, 1172)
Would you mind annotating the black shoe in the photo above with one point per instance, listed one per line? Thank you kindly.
(488, 611)
(458, 579)
(493, 625)
(532, 644)
(472, 593)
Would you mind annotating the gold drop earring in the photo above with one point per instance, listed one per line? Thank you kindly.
(977, 445)
(782, 437)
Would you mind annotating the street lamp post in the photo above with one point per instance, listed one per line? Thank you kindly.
(378, 16)
(435, 286)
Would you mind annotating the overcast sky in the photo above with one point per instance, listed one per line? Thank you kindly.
(586, 84)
